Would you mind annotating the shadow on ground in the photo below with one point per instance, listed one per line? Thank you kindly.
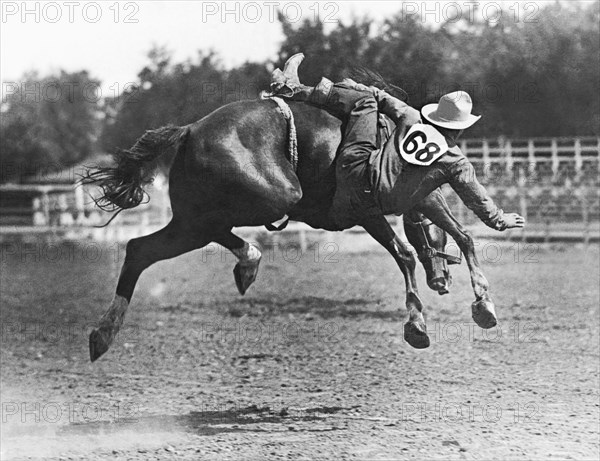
(196, 422)
(325, 308)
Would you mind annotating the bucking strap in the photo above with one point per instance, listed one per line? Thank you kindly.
(292, 136)
(284, 108)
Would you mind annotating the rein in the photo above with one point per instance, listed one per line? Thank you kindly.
(427, 250)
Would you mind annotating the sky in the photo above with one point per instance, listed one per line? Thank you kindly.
(114, 47)
(111, 39)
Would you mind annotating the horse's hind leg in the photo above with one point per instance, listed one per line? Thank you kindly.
(248, 255)
(173, 240)
(415, 330)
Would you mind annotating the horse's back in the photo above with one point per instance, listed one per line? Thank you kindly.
(259, 125)
(235, 160)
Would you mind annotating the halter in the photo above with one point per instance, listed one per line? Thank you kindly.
(428, 251)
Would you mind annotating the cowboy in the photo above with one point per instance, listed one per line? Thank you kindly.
(430, 156)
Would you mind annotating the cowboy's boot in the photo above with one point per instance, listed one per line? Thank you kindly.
(286, 84)
(283, 82)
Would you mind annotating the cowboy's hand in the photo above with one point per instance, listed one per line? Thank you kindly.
(512, 220)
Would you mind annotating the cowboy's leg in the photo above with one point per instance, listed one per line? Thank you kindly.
(287, 84)
(358, 142)
(360, 123)
(357, 107)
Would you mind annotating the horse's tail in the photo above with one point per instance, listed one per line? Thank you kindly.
(123, 185)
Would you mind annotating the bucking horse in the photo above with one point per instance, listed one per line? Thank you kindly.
(235, 167)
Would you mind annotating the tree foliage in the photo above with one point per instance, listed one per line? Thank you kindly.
(51, 120)
(527, 78)
(177, 94)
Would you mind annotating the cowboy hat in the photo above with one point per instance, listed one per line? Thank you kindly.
(453, 111)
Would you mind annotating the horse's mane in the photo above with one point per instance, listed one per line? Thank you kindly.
(371, 78)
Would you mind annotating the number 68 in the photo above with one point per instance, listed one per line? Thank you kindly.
(425, 154)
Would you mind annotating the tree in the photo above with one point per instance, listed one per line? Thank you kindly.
(528, 78)
(177, 94)
(51, 120)
(330, 55)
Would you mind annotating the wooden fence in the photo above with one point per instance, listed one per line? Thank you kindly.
(553, 182)
(545, 161)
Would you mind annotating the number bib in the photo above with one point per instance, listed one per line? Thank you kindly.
(423, 145)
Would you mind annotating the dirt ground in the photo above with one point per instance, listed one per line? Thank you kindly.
(310, 364)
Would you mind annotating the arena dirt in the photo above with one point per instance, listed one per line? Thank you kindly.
(310, 364)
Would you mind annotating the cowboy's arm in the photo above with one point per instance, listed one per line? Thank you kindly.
(463, 180)
(397, 110)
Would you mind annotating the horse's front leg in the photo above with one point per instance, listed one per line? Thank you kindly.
(415, 331)
(483, 309)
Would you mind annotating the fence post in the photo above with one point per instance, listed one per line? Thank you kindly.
(485, 159)
(80, 203)
(302, 238)
(531, 157)
(509, 159)
(523, 208)
(45, 199)
(554, 159)
(485, 151)
(586, 219)
(578, 159)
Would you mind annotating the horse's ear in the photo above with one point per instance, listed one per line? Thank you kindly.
(371, 78)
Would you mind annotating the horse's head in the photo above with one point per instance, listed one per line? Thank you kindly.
(430, 242)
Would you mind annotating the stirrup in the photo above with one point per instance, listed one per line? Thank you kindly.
(282, 90)
(276, 92)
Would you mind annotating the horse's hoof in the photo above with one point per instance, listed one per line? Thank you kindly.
(99, 343)
(245, 275)
(438, 284)
(484, 313)
(415, 334)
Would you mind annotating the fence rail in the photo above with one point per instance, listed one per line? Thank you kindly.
(542, 160)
